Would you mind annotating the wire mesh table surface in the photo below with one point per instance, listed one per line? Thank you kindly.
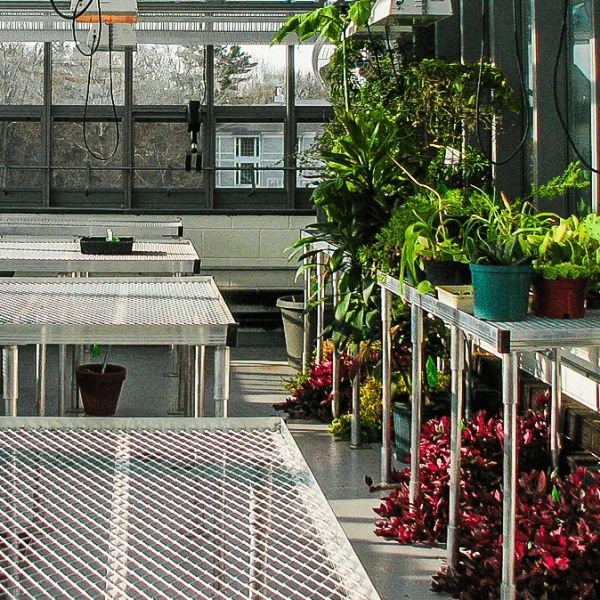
(64, 256)
(166, 508)
(61, 225)
(531, 334)
(113, 310)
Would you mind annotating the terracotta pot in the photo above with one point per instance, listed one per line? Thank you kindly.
(560, 298)
(100, 391)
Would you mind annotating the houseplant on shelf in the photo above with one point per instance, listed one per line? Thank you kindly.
(498, 245)
(567, 261)
(100, 384)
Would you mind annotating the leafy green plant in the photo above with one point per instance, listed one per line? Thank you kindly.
(503, 234)
(570, 249)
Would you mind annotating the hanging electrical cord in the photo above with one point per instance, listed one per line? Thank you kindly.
(75, 15)
(561, 118)
(484, 35)
(95, 39)
(112, 100)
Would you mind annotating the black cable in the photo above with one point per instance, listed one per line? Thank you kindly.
(75, 14)
(112, 99)
(95, 41)
(484, 33)
(563, 123)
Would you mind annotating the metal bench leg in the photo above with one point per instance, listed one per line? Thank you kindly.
(10, 375)
(221, 381)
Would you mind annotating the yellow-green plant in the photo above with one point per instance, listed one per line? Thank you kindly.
(370, 414)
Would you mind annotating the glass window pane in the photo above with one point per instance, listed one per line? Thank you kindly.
(75, 167)
(20, 147)
(309, 86)
(250, 75)
(580, 81)
(307, 158)
(248, 155)
(160, 151)
(70, 74)
(22, 69)
(168, 74)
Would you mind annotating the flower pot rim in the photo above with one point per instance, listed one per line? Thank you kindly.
(521, 267)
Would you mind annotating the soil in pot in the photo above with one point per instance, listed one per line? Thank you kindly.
(559, 298)
(100, 391)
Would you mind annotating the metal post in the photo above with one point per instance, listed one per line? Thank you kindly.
(468, 377)
(10, 379)
(221, 381)
(76, 352)
(320, 275)
(307, 341)
(386, 385)
(335, 358)
(416, 319)
(199, 381)
(555, 406)
(62, 384)
(510, 373)
(355, 423)
(183, 382)
(456, 365)
(40, 378)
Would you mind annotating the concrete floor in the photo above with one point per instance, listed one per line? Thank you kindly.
(259, 372)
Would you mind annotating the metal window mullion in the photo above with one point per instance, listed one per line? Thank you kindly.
(209, 131)
(290, 133)
(127, 131)
(46, 125)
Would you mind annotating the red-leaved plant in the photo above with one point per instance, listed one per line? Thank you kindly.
(558, 524)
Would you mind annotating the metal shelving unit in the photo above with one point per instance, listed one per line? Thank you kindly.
(506, 340)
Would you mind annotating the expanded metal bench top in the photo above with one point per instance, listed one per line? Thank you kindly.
(175, 508)
(61, 225)
(64, 256)
(113, 310)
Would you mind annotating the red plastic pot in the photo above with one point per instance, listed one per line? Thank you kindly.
(560, 298)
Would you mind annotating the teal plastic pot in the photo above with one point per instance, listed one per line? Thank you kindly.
(501, 292)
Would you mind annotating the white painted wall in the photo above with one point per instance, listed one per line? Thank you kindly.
(246, 251)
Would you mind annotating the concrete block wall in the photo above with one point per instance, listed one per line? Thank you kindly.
(247, 251)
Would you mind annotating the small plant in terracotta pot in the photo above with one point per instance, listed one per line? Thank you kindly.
(100, 384)
(567, 262)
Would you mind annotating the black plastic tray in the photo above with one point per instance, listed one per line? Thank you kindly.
(99, 245)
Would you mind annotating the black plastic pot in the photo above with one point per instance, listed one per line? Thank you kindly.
(447, 272)
(99, 245)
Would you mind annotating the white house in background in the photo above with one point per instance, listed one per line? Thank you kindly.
(243, 150)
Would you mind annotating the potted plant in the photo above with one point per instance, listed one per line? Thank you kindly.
(567, 260)
(100, 385)
(498, 245)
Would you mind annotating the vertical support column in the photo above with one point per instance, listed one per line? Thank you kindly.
(320, 268)
(221, 381)
(416, 320)
(62, 384)
(10, 379)
(510, 373)
(199, 381)
(46, 124)
(127, 130)
(456, 365)
(307, 341)
(468, 377)
(183, 382)
(335, 359)
(77, 354)
(555, 406)
(355, 423)
(386, 385)
(40, 378)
